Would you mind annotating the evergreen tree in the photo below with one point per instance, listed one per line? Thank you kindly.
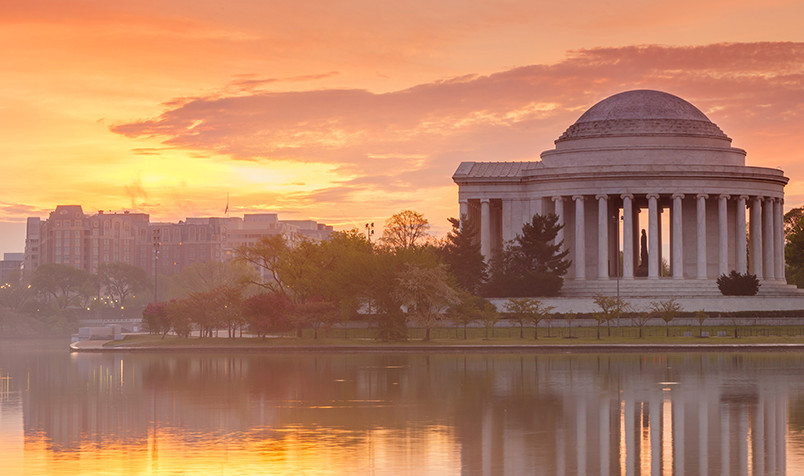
(460, 251)
(532, 264)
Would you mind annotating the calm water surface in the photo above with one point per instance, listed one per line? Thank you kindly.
(216, 413)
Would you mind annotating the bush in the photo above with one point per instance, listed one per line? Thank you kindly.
(737, 284)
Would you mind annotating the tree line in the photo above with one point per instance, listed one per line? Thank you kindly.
(407, 277)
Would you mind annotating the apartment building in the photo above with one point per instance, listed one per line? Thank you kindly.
(71, 237)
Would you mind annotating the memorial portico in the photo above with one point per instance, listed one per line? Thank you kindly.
(639, 160)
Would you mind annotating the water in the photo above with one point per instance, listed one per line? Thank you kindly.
(399, 413)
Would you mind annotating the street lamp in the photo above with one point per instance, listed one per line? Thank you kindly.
(157, 238)
(616, 219)
(369, 231)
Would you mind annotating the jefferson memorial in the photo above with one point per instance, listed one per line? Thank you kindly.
(646, 174)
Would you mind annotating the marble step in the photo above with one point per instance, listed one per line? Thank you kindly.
(664, 287)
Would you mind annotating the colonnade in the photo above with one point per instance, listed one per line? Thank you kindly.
(706, 232)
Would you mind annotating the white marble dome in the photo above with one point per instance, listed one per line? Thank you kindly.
(651, 127)
(642, 113)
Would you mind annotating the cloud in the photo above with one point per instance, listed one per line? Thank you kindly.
(20, 211)
(412, 139)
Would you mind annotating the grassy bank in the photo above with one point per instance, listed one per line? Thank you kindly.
(501, 337)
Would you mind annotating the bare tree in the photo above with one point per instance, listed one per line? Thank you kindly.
(405, 229)
(610, 309)
(667, 311)
(529, 309)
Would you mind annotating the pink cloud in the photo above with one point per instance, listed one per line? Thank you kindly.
(753, 91)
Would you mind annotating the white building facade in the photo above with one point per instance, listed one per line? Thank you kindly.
(640, 160)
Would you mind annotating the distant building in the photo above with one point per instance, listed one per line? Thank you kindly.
(10, 267)
(32, 257)
(71, 237)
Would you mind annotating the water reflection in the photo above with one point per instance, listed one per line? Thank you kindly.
(401, 413)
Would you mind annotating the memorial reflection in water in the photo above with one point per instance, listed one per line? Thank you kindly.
(480, 413)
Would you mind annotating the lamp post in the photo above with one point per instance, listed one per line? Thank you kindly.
(157, 238)
(616, 219)
(369, 231)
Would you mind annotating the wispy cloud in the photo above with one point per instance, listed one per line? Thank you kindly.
(410, 140)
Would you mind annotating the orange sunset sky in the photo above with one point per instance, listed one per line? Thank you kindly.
(349, 111)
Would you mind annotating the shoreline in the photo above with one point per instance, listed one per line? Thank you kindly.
(98, 346)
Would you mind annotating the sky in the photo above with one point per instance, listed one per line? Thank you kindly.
(349, 111)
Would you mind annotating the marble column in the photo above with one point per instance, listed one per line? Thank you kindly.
(653, 237)
(778, 238)
(628, 236)
(678, 240)
(464, 211)
(559, 208)
(508, 231)
(756, 237)
(740, 244)
(722, 235)
(602, 236)
(535, 208)
(485, 229)
(769, 267)
(525, 210)
(580, 242)
(701, 257)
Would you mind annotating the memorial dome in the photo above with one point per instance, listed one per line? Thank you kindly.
(642, 113)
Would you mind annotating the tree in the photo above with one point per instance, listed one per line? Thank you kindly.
(209, 275)
(527, 309)
(641, 319)
(316, 314)
(666, 310)
(737, 284)
(532, 264)
(60, 282)
(610, 309)
(570, 317)
(266, 254)
(156, 319)
(467, 310)
(180, 315)
(426, 293)
(268, 312)
(701, 316)
(406, 229)
(14, 293)
(488, 316)
(794, 246)
(460, 251)
(122, 280)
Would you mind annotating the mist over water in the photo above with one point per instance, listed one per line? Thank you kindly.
(399, 413)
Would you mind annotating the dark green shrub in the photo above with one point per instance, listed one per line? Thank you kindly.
(737, 284)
